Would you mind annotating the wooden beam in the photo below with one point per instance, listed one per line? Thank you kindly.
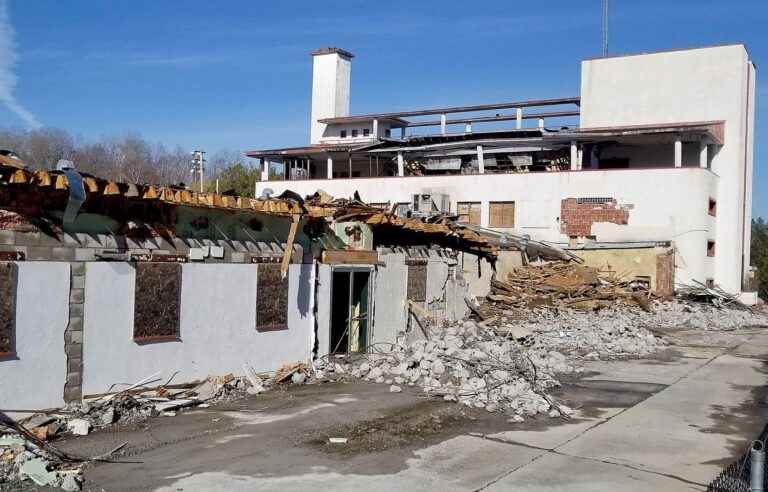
(350, 257)
(289, 245)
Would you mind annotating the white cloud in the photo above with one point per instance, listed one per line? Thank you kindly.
(8, 78)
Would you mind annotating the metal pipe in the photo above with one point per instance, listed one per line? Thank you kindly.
(757, 468)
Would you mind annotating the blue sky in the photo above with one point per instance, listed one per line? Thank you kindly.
(236, 75)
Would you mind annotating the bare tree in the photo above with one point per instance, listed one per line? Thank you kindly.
(126, 158)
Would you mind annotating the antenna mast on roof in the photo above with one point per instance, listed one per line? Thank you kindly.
(605, 27)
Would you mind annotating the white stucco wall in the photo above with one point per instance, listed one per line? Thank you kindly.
(218, 326)
(330, 91)
(390, 298)
(706, 84)
(324, 274)
(668, 204)
(35, 378)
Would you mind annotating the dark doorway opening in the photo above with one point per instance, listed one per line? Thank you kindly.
(350, 308)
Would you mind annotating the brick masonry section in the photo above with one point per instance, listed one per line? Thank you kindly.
(73, 336)
(665, 274)
(577, 216)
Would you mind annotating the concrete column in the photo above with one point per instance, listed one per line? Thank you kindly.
(519, 118)
(703, 155)
(574, 156)
(402, 132)
(375, 128)
(400, 164)
(480, 160)
(73, 335)
(468, 128)
(541, 122)
(264, 169)
(329, 167)
(580, 157)
(678, 152)
(442, 124)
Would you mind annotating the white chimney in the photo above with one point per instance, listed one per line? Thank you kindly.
(331, 69)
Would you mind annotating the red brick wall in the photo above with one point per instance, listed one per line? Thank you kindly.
(576, 218)
(665, 274)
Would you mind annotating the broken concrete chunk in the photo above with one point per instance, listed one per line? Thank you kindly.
(108, 416)
(395, 389)
(337, 440)
(11, 440)
(165, 406)
(79, 427)
(298, 378)
(70, 483)
(37, 470)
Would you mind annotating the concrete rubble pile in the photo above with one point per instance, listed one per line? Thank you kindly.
(469, 363)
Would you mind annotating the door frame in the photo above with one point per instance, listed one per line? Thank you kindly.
(351, 269)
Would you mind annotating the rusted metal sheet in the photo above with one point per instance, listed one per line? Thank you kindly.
(417, 282)
(7, 308)
(157, 305)
(271, 298)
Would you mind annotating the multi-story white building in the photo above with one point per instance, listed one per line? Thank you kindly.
(657, 149)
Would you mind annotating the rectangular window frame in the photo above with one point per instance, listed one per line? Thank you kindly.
(354, 133)
(8, 293)
(712, 208)
(158, 302)
(343, 134)
(469, 212)
(271, 298)
(504, 218)
(711, 248)
(366, 132)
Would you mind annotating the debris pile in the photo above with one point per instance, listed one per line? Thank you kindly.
(561, 285)
(25, 451)
(700, 292)
(468, 363)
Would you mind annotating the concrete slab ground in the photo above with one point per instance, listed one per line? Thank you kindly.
(665, 424)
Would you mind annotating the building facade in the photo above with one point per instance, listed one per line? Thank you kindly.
(656, 149)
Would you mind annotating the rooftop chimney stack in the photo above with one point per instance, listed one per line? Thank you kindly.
(331, 68)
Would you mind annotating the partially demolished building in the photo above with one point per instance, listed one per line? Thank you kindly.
(648, 170)
(104, 282)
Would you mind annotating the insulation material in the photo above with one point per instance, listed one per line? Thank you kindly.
(157, 305)
(417, 282)
(271, 298)
(7, 307)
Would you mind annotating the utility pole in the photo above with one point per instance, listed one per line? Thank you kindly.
(605, 27)
(198, 166)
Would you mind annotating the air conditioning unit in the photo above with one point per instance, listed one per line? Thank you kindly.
(425, 204)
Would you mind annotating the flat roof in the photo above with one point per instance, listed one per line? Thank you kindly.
(308, 149)
(363, 118)
(670, 50)
(332, 49)
(714, 129)
(456, 109)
